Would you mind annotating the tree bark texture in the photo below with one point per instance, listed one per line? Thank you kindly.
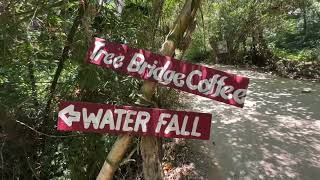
(114, 157)
(157, 7)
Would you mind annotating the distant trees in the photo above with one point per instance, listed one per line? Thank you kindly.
(258, 31)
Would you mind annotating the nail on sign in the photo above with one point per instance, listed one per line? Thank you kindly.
(102, 118)
(192, 78)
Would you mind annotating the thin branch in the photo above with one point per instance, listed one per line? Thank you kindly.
(33, 16)
(28, 99)
(1, 155)
(44, 8)
(203, 27)
(30, 64)
(39, 82)
(44, 134)
(30, 167)
(128, 159)
(64, 56)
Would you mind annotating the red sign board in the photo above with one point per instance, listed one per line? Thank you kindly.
(181, 75)
(102, 118)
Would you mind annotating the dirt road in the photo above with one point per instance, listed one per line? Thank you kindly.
(275, 136)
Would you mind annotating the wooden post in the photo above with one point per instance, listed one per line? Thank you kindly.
(151, 146)
(114, 157)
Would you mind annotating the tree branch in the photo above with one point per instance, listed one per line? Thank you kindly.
(64, 56)
(44, 134)
(1, 156)
(44, 8)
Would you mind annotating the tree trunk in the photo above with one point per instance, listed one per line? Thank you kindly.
(151, 146)
(305, 21)
(157, 7)
(114, 157)
(186, 40)
(151, 151)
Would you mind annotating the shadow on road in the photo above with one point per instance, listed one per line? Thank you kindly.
(275, 136)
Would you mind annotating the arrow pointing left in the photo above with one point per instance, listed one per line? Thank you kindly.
(74, 116)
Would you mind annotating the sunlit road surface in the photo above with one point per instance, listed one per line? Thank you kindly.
(275, 136)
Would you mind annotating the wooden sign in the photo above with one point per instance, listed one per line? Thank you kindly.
(181, 75)
(102, 118)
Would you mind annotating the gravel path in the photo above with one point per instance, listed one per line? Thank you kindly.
(275, 136)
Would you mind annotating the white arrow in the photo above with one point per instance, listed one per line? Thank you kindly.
(74, 116)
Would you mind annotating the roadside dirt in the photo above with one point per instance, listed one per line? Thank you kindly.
(191, 160)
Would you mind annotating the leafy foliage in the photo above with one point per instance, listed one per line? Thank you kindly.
(283, 34)
(33, 36)
(258, 32)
